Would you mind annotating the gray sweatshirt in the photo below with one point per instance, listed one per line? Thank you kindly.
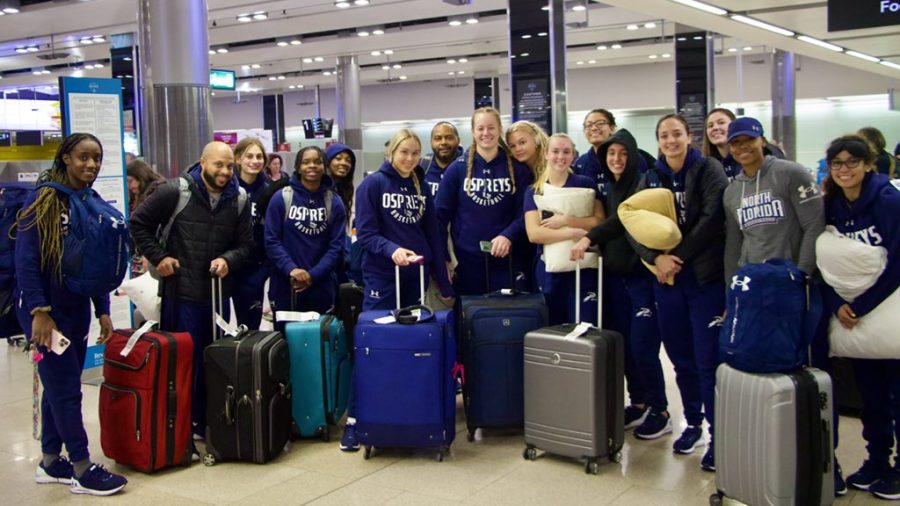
(777, 214)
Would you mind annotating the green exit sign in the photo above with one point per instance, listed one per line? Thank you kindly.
(222, 79)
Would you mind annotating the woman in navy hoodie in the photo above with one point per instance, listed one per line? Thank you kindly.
(864, 205)
(396, 223)
(47, 305)
(480, 198)
(305, 239)
(250, 280)
(689, 312)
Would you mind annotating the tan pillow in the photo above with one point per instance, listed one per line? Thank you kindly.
(649, 216)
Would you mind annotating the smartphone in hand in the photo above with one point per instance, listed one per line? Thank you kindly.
(485, 246)
(58, 342)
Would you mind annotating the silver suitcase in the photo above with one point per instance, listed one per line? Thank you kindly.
(774, 437)
(574, 392)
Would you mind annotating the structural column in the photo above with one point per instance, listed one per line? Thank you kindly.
(349, 118)
(784, 118)
(694, 83)
(174, 58)
(273, 117)
(537, 64)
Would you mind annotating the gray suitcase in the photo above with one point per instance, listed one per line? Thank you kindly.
(773, 437)
(575, 392)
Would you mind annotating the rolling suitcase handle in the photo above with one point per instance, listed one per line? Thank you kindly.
(217, 305)
(421, 283)
(487, 273)
(599, 292)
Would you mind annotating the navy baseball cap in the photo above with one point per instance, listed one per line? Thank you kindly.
(744, 126)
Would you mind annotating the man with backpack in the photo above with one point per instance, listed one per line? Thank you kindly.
(193, 227)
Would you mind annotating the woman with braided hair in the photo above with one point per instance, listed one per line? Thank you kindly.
(481, 198)
(47, 305)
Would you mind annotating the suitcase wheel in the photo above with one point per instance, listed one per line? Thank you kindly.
(616, 457)
(367, 452)
(209, 460)
(440, 456)
(715, 499)
(592, 467)
(530, 453)
(325, 433)
(470, 436)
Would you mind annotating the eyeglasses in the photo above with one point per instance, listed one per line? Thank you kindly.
(836, 164)
(595, 124)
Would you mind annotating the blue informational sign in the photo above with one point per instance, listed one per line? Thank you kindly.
(94, 106)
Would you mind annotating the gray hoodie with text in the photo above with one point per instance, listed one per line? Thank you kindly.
(779, 213)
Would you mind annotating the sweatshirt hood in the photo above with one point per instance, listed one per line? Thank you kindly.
(623, 137)
(873, 184)
(336, 149)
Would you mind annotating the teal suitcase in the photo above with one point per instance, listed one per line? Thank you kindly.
(320, 374)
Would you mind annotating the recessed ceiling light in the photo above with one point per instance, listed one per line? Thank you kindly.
(281, 43)
(307, 60)
(666, 55)
(525, 54)
(454, 22)
(244, 18)
(602, 47)
(471, 21)
(760, 24)
(591, 62)
(326, 73)
(451, 61)
(385, 67)
(296, 42)
(213, 93)
(526, 36)
(281, 78)
(542, 34)
(86, 41)
(10, 10)
(579, 62)
(402, 78)
(463, 60)
(632, 27)
(98, 39)
(255, 66)
(396, 66)
(682, 39)
(98, 65)
(732, 50)
(319, 59)
(127, 58)
(292, 86)
(616, 46)
(212, 52)
(222, 50)
(698, 37)
(32, 49)
(376, 53)
(653, 57)
(863, 56)
(272, 78)
(360, 2)
(451, 73)
(748, 48)
(363, 33)
(820, 43)
(461, 72)
(260, 15)
(342, 4)
(36, 72)
(378, 31)
(650, 25)
(890, 64)
(388, 51)
(21, 49)
(579, 8)
(245, 67)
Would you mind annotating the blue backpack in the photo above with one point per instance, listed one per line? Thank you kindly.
(97, 248)
(768, 327)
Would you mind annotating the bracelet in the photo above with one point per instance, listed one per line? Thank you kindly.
(41, 309)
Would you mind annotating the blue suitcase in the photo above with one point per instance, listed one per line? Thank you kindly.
(404, 389)
(492, 330)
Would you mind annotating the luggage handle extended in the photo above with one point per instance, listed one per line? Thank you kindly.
(487, 276)
(219, 325)
(421, 284)
(599, 292)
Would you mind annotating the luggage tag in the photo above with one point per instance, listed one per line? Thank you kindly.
(146, 327)
(578, 331)
(297, 316)
(229, 329)
(384, 320)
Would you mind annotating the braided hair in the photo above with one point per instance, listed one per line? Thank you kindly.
(470, 161)
(44, 213)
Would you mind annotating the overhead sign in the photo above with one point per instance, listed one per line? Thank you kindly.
(222, 79)
(855, 14)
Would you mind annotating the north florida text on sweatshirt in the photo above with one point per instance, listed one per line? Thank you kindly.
(308, 238)
(874, 219)
(483, 206)
(776, 214)
(391, 213)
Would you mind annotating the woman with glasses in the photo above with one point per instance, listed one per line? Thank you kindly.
(863, 205)
(598, 125)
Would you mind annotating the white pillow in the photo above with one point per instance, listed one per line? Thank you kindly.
(849, 266)
(874, 336)
(143, 291)
(576, 202)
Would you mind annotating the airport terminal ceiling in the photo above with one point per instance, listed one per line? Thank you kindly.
(293, 44)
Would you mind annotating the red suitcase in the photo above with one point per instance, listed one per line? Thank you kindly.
(145, 398)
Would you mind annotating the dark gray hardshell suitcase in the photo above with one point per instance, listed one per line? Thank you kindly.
(575, 393)
(774, 437)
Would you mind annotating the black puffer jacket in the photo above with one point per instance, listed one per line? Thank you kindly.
(199, 235)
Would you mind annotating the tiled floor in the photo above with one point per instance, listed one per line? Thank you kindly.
(486, 472)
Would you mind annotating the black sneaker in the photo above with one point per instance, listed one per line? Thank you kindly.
(840, 486)
(98, 481)
(60, 471)
(635, 416)
(691, 438)
(887, 487)
(709, 460)
(867, 475)
(349, 443)
(655, 425)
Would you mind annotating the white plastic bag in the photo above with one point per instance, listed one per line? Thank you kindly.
(143, 291)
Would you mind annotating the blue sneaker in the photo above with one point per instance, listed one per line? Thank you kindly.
(691, 438)
(60, 471)
(98, 481)
(840, 486)
(868, 474)
(655, 425)
(635, 416)
(349, 443)
(709, 460)
(888, 487)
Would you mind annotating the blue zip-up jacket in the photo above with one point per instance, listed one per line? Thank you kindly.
(434, 173)
(389, 215)
(491, 210)
(874, 218)
(40, 288)
(255, 192)
(308, 239)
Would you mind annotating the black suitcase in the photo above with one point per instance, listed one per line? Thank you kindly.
(248, 406)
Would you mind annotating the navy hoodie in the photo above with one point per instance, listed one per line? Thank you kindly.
(307, 239)
(389, 215)
(434, 173)
(874, 219)
(591, 166)
(255, 192)
(43, 288)
(491, 210)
